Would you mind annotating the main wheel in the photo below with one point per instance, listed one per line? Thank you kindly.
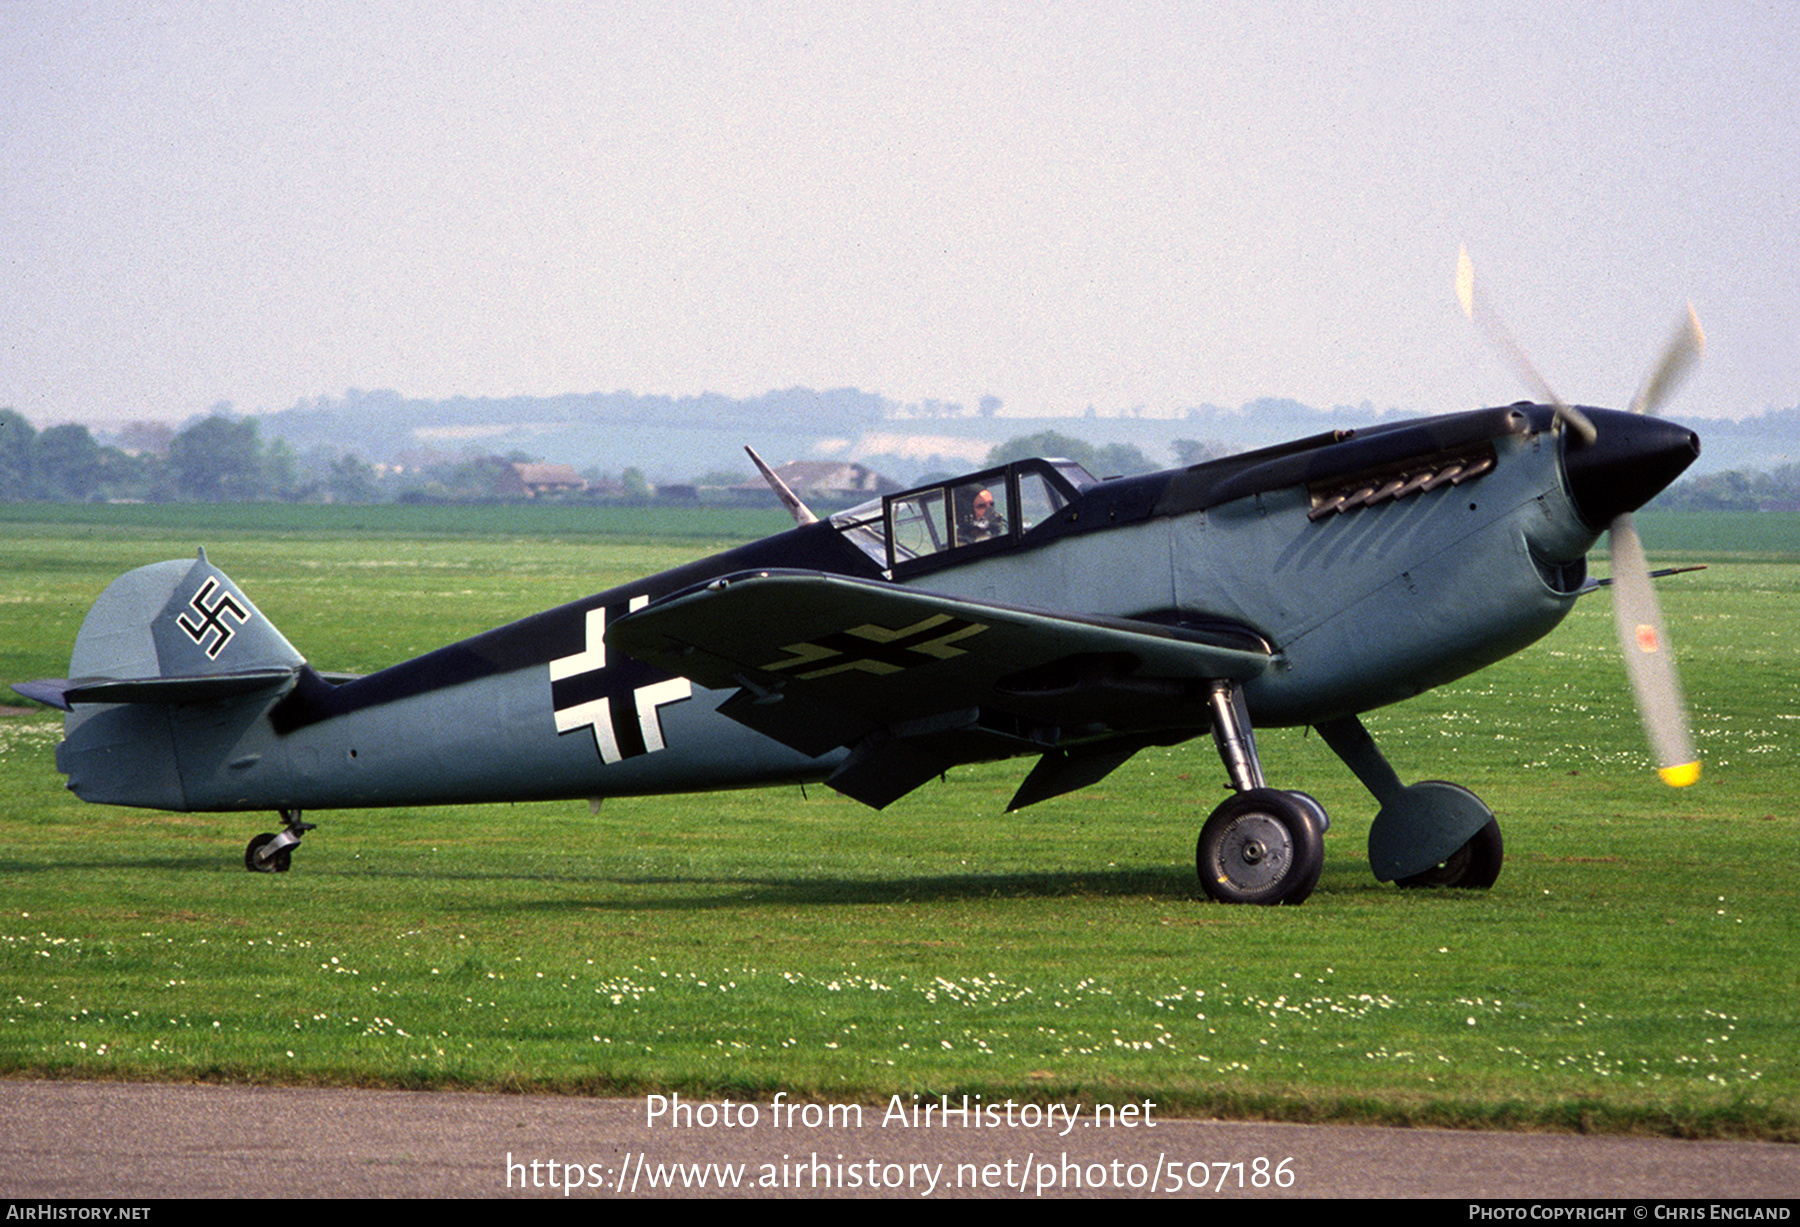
(1261, 846)
(278, 863)
(1474, 866)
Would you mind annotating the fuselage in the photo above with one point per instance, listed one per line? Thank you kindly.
(1372, 567)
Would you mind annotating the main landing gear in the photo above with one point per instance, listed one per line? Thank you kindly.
(274, 853)
(1262, 845)
(1265, 845)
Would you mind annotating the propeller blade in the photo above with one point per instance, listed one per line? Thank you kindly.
(1647, 657)
(1641, 635)
(1683, 350)
(1475, 306)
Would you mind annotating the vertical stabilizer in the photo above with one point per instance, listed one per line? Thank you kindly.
(172, 666)
(176, 619)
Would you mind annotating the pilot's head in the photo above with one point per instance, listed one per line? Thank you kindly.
(983, 505)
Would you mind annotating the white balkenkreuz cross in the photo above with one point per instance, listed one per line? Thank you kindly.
(613, 742)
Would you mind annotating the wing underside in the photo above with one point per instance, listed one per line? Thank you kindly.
(913, 682)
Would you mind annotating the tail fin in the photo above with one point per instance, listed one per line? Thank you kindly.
(172, 632)
(176, 632)
(160, 640)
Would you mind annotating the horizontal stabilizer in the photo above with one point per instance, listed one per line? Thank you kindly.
(50, 691)
(178, 690)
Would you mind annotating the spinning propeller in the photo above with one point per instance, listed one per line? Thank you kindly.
(1635, 608)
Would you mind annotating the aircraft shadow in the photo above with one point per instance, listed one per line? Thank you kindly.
(703, 893)
(153, 864)
(693, 892)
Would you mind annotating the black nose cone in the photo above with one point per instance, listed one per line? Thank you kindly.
(1631, 462)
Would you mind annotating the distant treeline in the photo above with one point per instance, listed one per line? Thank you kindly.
(223, 459)
(220, 458)
(1736, 490)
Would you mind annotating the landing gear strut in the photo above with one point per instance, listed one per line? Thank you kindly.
(274, 853)
(1427, 834)
(1262, 845)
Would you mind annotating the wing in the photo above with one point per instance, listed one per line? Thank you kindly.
(914, 682)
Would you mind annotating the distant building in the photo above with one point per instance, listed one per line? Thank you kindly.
(836, 480)
(541, 479)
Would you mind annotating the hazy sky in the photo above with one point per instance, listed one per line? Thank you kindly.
(1062, 205)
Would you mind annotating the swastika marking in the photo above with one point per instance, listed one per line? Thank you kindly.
(212, 618)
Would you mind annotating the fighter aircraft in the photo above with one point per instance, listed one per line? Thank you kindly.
(1026, 610)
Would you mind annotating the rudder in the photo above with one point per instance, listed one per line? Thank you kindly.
(177, 619)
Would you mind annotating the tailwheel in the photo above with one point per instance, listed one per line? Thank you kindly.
(274, 853)
(256, 860)
(1262, 846)
(1474, 866)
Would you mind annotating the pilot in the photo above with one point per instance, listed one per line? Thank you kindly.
(981, 522)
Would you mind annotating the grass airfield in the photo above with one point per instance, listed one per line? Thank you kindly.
(1635, 969)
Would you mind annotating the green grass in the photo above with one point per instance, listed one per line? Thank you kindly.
(1633, 970)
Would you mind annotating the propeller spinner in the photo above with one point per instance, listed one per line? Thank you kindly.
(1610, 474)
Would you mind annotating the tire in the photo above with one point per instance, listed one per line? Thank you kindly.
(1474, 866)
(279, 863)
(1262, 846)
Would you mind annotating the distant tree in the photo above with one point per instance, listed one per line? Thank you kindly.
(16, 438)
(484, 477)
(217, 460)
(352, 480)
(634, 485)
(67, 464)
(1115, 459)
(1122, 460)
(141, 438)
(1192, 451)
(281, 471)
(1044, 443)
(990, 405)
(1733, 490)
(129, 476)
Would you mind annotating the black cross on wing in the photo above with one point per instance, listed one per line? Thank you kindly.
(878, 649)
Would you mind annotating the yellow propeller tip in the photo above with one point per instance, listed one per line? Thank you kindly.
(1465, 282)
(1680, 777)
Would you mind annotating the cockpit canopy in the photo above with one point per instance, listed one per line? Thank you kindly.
(961, 517)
